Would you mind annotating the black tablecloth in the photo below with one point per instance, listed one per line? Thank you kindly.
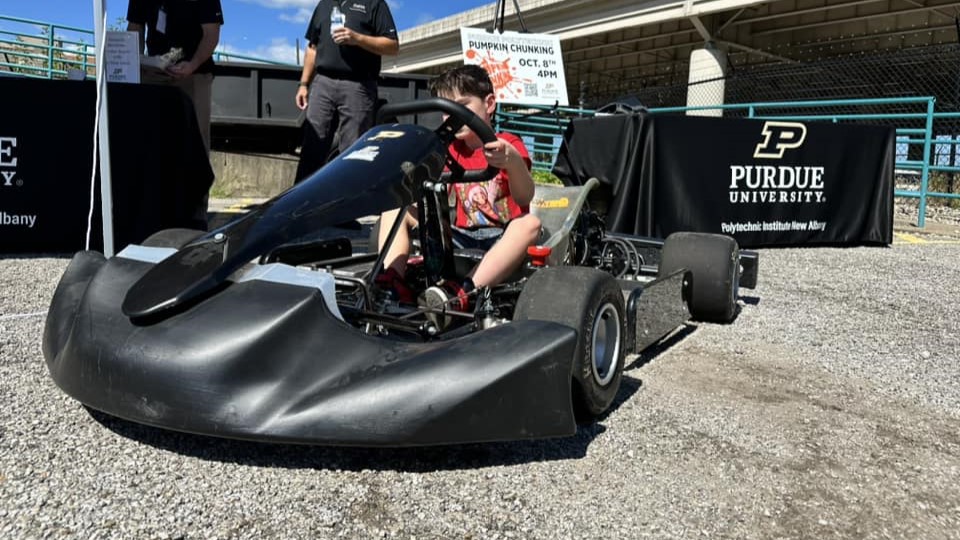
(766, 183)
(160, 170)
(616, 150)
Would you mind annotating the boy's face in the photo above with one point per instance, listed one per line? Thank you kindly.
(482, 107)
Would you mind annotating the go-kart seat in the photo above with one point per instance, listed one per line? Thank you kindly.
(558, 208)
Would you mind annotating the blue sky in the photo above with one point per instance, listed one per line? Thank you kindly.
(261, 28)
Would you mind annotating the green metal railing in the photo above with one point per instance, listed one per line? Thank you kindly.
(915, 127)
(49, 51)
(224, 56)
(541, 128)
(45, 50)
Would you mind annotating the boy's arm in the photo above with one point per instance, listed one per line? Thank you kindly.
(504, 155)
(205, 49)
(381, 46)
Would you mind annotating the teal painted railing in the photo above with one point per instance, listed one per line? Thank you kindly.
(541, 128)
(914, 126)
(45, 50)
(225, 56)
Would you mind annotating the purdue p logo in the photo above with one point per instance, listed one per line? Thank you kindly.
(383, 135)
(778, 136)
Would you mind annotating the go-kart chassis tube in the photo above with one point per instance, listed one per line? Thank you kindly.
(749, 259)
(382, 256)
(436, 240)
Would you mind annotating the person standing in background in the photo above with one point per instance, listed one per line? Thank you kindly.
(194, 27)
(338, 85)
(190, 25)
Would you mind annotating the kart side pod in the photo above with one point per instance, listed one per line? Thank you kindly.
(656, 308)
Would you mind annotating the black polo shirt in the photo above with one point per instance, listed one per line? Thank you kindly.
(178, 27)
(369, 17)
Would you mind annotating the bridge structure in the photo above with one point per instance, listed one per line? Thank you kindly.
(666, 51)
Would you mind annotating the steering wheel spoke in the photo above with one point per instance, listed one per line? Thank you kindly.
(457, 117)
(447, 132)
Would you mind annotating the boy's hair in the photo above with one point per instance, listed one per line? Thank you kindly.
(468, 79)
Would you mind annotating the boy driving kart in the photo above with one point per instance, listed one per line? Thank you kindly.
(492, 215)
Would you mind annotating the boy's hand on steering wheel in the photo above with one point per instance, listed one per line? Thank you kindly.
(500, 153)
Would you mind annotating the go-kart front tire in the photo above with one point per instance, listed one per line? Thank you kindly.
(714, 262)
(589, 301)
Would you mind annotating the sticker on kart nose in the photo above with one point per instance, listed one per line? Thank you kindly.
(367, 153)
(383, 135)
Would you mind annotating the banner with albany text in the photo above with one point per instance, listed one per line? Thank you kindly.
(160, 167)
(524, 68)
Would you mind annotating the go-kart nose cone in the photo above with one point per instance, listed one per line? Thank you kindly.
(182, 277)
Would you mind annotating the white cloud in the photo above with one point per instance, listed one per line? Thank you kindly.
(285, 4)
(279, 50)
(302, 16)
(304, 8)
(424, 18)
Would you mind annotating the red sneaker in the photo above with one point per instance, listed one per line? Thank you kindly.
(442, 300)
(449, 296)
(390, 280)
(459, 299)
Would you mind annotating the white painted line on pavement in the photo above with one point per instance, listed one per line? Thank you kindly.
(22, 316)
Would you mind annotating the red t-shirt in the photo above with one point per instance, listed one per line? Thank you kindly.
(486, 204)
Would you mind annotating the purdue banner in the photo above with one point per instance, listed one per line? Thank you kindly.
(766, 183)
(774, 182)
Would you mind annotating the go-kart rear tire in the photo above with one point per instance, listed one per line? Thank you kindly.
(172, 238)
(590, 302)
(714, 262)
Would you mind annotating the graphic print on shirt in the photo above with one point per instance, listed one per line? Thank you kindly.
(484, 204)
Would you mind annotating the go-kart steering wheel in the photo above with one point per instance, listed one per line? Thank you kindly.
(458, 117)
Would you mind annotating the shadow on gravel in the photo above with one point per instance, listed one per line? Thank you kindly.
(655, 350)
(417, 459)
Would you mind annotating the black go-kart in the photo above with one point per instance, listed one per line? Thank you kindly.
(264, 330)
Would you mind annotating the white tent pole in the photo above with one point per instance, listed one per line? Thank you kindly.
(106, 184)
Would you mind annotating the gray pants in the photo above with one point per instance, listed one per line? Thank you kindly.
(332, 103)
(199, 88)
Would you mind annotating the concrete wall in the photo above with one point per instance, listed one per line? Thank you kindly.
(251, 175)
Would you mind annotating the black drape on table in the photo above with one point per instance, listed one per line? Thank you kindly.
(766, 183)
(613, 149)
(160, 170)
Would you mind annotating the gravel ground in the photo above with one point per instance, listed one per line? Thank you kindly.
(830, 408)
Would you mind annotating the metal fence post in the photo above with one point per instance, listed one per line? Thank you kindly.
(50, 41)
(925, 170)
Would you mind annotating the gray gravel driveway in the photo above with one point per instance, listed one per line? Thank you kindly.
(829, 409)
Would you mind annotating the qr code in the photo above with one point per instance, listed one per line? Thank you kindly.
(530, 89)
